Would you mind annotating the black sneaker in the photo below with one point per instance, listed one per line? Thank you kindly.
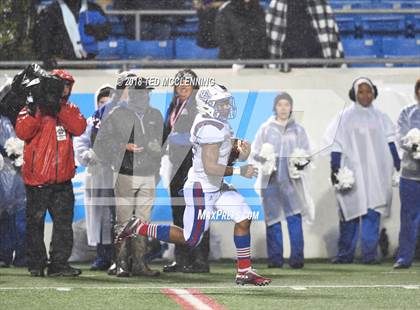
(372, 262)
(122, 273)
(63, 271)
(36, 273)
(338, 260)
(4, 264)
(400, 265)
(98, 265)
(196, 268)
(112, 271)
(172, 267)
(298, 265)
(274, 265)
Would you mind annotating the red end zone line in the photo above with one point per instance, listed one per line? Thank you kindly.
(192, 299)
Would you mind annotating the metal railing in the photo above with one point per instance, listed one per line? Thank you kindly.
(138, 13)
(283, 64)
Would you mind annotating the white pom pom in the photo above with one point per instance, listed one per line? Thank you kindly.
(18, 162)
(14, 146)
(345, 179)
(1, 162)
(412, 137)
(267, 153)
(299, 157)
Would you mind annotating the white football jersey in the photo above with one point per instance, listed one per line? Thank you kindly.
(208, 131)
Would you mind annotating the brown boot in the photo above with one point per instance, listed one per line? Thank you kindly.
(122, 259)
(139, 249)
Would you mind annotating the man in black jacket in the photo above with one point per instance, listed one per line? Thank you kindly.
(58, 32)
(241, 31)
(130, 138)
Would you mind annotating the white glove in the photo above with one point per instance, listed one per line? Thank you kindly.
(345, 179)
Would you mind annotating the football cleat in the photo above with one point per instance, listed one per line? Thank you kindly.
(251, 277)
(129, 230)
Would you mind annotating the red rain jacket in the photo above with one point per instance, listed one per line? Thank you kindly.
(48, 153)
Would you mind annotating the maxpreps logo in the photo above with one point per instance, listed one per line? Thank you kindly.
(221, 215)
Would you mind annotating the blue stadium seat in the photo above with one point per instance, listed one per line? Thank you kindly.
(149, 49)
(117, 27)
(409, 5)
(401, 47)
(111, 49)
(417, 23)
(412, 25)
(346, 24)
(265, 3)
(187, 48)
(384, 24)
(372, 5)
(362, 48)
(190, 26)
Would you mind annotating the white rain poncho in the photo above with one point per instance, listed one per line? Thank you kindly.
(12, 189)
(99, 183)
(408, 120)
(362, 135)
(294, 198)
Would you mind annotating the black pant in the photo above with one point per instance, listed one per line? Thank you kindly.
(58, 199)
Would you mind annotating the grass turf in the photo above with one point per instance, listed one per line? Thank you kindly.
(317, 286)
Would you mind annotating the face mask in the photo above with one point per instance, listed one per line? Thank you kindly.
(138, 100)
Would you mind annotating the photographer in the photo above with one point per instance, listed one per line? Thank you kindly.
(47, 125)
(130, 139)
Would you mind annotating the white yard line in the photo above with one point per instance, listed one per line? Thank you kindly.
(190, 299)
(293, 287)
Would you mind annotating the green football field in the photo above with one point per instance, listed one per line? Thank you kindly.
(317, 286)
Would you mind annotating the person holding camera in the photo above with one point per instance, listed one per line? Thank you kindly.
(47, 125)
(130, 139)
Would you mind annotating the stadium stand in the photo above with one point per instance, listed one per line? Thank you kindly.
(363, 35)
(401, 47)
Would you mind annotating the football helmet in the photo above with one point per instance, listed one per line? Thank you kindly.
(216, 101)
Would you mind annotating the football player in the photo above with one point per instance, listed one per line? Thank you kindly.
(204, 191)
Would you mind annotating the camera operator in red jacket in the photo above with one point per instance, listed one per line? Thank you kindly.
(47, 125)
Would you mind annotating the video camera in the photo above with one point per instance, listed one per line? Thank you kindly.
(32, 86)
